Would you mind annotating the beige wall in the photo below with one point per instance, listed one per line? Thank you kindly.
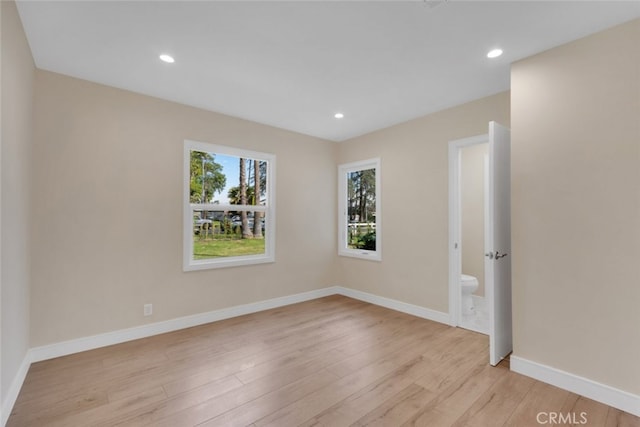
(17, 112)
(108, 173)
(414, 171)
(576, 207)
(472, 194)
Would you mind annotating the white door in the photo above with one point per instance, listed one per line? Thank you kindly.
(498, 243)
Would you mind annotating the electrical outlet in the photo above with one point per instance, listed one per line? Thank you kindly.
(148, 309)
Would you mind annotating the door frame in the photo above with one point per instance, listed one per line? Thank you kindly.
(455, 219)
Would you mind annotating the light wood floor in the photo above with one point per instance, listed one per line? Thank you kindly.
(333, 361)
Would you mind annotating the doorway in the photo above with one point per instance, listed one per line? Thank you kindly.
(474, 164)
(485, 304)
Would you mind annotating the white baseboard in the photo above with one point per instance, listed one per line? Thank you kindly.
(415, 310)
(14, 388)
(102, 340)
(64, 348)
(583, 386)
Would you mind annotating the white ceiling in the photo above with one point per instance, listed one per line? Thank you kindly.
(294, 64)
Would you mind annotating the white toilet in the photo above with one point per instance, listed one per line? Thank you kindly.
(468, 285)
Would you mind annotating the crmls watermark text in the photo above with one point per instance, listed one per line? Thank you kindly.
(561, 418)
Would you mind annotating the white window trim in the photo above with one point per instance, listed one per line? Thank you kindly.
(343, 250)
(189, 264)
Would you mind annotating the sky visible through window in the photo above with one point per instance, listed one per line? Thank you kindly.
(231, 169)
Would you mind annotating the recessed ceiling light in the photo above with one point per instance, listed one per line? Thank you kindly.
(494, 53)
(338, 115)
(167, 58)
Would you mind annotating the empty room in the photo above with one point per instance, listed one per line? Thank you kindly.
(297, 213)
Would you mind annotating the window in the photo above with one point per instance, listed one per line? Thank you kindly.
(359, 205)
(229, 210)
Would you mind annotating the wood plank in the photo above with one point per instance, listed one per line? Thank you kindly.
(398, 409)
(434, 358)
(496, 406)
(457, 398)
(61, 408)
(582, 410)
(332, 361)
(541, 398)
(264, 405)
(374, 370)
(618, 418)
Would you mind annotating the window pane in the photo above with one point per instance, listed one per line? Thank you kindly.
(219, 234)
(227, 180)
(361, 209)
(207, 177)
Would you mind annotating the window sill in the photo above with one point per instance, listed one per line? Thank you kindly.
(367, 255)
(208, 264)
